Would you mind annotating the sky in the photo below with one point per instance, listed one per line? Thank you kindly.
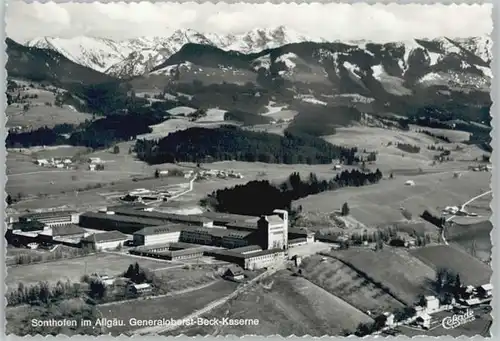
(330, 21)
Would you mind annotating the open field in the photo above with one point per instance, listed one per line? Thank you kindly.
(179, 278)
(473, 238)
(345, 282)
(251, 171)
(47, 152)
(213, 115)
(285, 115)
(481, 206)
(28, 179)
(172, 125)
(182, 111)
(452, 135)
(13, 253)
(96, 198)
(284, 305)
(38, 116)
(268, 171)
(403, 274)
(39, 113)
(74, 269)
(56, 181)
(391, 157)
(175, 307)
(380, 203)
(271, 128)
(471, 270)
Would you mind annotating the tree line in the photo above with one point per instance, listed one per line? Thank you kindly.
(42, 292)
(431, 218)
(439, 137)
(232, 143)
(99, 133)
(261, 197)
(406, 147)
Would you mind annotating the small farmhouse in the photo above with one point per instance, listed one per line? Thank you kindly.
(234, 273)
(140, 289)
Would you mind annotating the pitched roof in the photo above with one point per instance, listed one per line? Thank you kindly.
(273, 219)
(487, 287)
(155, 230)
(243, 225)
(41, 215)
(141, 286)
(297, 240)
(132, 206)
(218, 232)
(247, 249)
(229, 217)
(108, 236)
(237, 255)
(122, 218)
(234, 270)
(67, 230)
(162, 215)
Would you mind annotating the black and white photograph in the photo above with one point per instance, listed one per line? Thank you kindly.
(221, 169)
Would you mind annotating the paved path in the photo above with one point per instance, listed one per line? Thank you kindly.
(191, 186)
(462, 208)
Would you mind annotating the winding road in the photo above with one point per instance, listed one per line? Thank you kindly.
(462, 208)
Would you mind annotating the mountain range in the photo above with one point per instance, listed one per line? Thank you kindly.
(389, 77)
(138, 56)
(133, 57)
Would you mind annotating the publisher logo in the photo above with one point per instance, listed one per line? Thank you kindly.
(457, 320)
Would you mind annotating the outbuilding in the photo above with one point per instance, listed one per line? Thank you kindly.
(140, 289)
(234, 273)
(106, 240)
(485, 290)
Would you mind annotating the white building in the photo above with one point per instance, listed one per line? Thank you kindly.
(42, 162)
(431, 304)
(451, 209)
(389, 319)
(425, 320)
(485, 290)
(264, 259)
(158, 234)
(234, 273)
(276, 228)
(106, 240)
(310, 237)
(53, 218)
(143, 288)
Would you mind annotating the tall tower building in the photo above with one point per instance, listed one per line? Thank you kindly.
(284, 216)
(273, 231)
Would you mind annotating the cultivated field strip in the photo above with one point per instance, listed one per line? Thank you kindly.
(403, 275)
(343, 281)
